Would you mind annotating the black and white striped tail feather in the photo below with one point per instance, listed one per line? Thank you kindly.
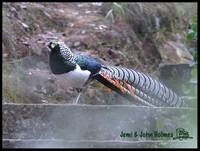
(146, 100)
(145, 85)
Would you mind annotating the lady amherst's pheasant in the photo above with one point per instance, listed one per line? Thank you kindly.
(134, 85)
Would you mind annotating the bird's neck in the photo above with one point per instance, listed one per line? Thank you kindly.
(87, 63)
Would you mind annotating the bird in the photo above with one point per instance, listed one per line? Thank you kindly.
(135, 86)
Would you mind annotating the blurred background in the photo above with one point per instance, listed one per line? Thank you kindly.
(155, 38)
(141, 36)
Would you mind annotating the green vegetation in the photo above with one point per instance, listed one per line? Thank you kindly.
(192, 31)
(191, 36)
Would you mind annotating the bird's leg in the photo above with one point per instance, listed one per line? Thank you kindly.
(81, 90)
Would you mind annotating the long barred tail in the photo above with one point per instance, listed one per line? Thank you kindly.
(138, 85)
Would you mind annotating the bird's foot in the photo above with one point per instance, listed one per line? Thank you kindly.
(79, 90)
(77, 99)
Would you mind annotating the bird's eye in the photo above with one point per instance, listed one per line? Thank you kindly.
(52, 45)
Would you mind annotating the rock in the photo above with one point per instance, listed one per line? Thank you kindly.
(91, 93)
(83, 32)
(92, 25)
(176, 53)
(24, 25)
(44, 101)
(69, 43)
(175, 76)
(80, 5)
(5, 55)
(77, 43)
(97, 4)
(75, 13)
(30, 73)
(71, 25)
(102, 26)
(87, 12)
(114, 53)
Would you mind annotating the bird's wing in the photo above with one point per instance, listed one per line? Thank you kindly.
(137, 85)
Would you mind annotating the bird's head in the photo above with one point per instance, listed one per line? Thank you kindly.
(53, 46)
(61, 57)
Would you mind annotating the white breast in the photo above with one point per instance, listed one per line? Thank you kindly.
(77, 77)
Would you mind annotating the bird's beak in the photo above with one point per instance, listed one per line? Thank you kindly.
(47, 45)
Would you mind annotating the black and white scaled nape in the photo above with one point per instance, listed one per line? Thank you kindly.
(61, 59)
(64, 51)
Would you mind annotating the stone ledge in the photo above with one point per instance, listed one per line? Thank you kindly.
(91, 122)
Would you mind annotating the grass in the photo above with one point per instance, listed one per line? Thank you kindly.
(149, 20)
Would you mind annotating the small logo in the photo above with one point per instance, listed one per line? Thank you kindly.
(182, 134)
